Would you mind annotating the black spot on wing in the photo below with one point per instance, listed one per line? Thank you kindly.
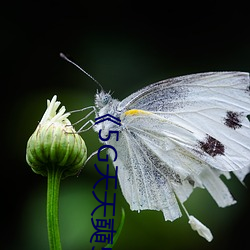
(233, 119)
(212, 146)
(190, 181)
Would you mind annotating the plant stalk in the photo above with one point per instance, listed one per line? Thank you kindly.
(53, 186)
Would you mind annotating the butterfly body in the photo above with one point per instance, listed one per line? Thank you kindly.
(179, 134)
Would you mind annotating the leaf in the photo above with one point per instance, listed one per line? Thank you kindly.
(118, 231)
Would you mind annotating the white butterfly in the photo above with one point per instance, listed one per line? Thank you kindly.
(179, 134)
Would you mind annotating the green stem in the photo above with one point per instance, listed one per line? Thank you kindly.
(54, 177)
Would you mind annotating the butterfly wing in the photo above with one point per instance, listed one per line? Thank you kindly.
(182, 133)
(139, 182)
(155, 169)
(213, 106)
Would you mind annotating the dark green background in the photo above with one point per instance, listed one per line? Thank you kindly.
(125, 45)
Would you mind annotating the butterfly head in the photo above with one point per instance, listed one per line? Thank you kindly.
(102, 99)
(106, 105)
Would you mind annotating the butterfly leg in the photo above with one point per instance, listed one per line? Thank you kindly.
(82, 128)
(91, 155)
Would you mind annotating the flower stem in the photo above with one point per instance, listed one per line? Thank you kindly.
(53, 185)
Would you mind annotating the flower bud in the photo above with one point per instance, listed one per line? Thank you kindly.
(55, 144)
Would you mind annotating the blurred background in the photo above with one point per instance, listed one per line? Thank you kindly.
(125, 45)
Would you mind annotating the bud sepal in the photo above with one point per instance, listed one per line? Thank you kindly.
(56, 143)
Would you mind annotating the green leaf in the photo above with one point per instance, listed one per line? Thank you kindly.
(118, 231)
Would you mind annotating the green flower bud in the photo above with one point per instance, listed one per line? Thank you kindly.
(55, 144)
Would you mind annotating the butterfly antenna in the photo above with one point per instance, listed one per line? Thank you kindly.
(90, 76)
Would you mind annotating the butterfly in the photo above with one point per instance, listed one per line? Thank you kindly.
(176, 135)
(179, 134)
